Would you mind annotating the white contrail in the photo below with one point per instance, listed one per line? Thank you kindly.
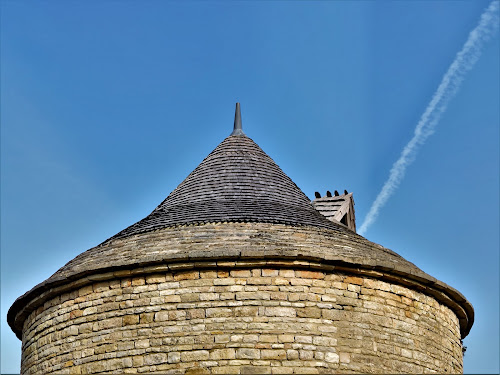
(464, 61)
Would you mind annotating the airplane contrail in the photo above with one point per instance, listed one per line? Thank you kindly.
(464, 61)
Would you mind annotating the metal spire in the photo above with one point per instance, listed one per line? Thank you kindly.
(237, 121)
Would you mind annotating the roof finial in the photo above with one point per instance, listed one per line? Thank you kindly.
(237, 121)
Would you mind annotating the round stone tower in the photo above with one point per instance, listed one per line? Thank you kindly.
(236, 272)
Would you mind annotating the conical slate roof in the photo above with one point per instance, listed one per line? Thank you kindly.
(237, 182)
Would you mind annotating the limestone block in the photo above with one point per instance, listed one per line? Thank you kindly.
(130, 320)
(209, 296)
(218, 312)
(172, 298)
(273, 354)
(142, 344)
(324, 341)
(353, 280)
(155, 358)
(85, 290)
(309, 312)
(344, 357)
(280, 311)
(108, 324)
(286, 338)
(303, 339)
(155, 278)
(208, 274)
(306, 370)
(255, 370)
(195, 355)
(309, 274)
(269, 272)
(75, 314)
(174, 357)
(222, 273)
(161, 316)
(187, 275)
(268, 338)
(306, 355)
(195, 314)
(219, 338)
(247, 353)
(137, 281)
(332, 357)
(218, 354)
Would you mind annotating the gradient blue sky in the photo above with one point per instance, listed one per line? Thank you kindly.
(106, 106)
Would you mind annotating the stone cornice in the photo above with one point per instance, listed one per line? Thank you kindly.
(239, 245)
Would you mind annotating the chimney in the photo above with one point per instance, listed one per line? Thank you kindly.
(337, 208)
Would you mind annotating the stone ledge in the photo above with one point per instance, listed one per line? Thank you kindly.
(21, 309)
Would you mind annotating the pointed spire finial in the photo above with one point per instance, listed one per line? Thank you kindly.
(237, 121)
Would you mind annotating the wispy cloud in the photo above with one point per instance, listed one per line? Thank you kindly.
(464, 61)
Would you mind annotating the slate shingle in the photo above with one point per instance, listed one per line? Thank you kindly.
(237, 182)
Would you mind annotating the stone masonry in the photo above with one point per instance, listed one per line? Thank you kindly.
(248, 320)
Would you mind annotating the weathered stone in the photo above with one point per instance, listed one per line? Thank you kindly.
(309, 312)
(174, 357)
(281, 281)
(108, 323)
(155, 279)
(345, 358)
(247, 353)
(172, 298)
(222, 273)
(141, 344)
(406, 353)
(324, 341)
(195, 355)
(269, 272)
(241, 273)
(86, 290)
(161, 316)
(328, 324)
(137, 281)
(218, 354)
(177, 315)
(189, 275)
(219, 338)
(130, 319)
(280, 311)
(273, 354)
(195, 314)
(137, 361)
(75, 314)
(285, 338)
(146, 318)
(198, 371)
(259, 370)
(332, 357)
(155, 359)
(353, 280)
(268, 338)
(218, 312)
(309, 274)
(292, 354)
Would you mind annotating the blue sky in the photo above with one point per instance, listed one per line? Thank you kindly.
(107, 106)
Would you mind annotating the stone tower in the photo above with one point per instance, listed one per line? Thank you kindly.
(237, 272)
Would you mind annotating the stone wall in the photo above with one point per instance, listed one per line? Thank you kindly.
(242, 320)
